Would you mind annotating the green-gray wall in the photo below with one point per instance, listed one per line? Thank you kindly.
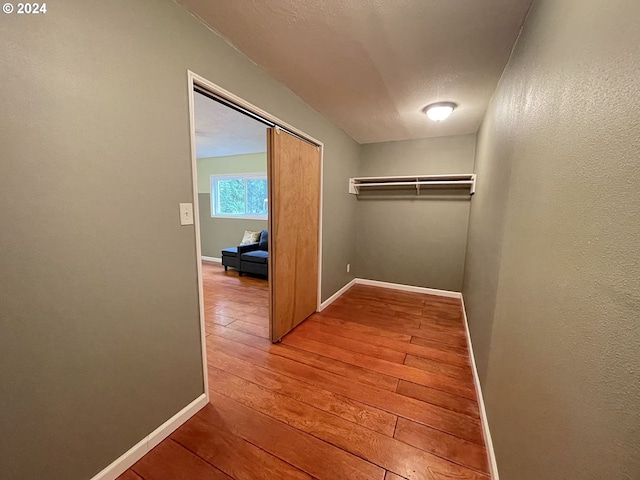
(245, 163)
(99, 328)
(552, 277)
(217, 233)
(409, 239)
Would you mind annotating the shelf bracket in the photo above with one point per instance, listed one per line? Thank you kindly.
(352, 187)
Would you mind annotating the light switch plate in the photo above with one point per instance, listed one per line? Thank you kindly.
(186, 214)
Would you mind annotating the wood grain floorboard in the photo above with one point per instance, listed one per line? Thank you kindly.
(442, 444)
(412, 317)
(310, 358)
(407, 327)
(393, 476)
(358, 301)
(436, 397)
(315, 457)
(216, 319)
(370, 337)
(396, 296)
(365, 310)
(330, 402)
(426, 342)
(257, 319)
(171, 461)
(434, 366)
(358, 327)
(377, 386)
(130, 475)
(245, 307)
(389, 453)
(438, 417)
(250, 328)
(436, 316)
(402, 297)
(235, 456)
(224, 311)
(390, 369)
(306, 330)
(405, 302)
(264, 311)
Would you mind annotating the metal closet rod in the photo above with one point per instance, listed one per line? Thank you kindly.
(248, 113)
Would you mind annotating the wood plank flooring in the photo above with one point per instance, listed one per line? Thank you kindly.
(377, 386)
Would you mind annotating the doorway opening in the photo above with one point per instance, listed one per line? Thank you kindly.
(231, 166)
(259, 257)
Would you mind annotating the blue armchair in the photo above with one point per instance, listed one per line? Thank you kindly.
(251, 258)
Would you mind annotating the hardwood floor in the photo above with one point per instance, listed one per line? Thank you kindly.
(377, 386)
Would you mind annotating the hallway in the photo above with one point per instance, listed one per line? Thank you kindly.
(377, 386)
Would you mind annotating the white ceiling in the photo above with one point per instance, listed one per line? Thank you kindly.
(221, 131)
(372, 65)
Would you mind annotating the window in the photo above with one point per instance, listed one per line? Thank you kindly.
(239, 196)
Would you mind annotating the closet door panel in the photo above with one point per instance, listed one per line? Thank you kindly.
(294, 202)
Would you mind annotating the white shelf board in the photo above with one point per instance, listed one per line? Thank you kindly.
(417, 181)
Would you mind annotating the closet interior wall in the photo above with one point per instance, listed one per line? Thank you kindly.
(409, 239)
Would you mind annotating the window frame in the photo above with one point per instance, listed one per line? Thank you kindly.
(215, 193)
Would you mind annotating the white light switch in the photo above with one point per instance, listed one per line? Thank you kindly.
(186, 214)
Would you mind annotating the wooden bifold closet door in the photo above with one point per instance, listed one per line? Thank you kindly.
(294, 218)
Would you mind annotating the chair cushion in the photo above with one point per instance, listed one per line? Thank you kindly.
(264, 241)
(230, 252)
(257, 256)
(250, 237)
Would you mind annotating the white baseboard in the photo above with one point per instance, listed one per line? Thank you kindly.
(393, 286)
(336, 295)
(211, 259)
(493, 466)
(135, 453)
(408, 288)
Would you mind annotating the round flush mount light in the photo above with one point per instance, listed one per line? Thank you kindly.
(439, 111)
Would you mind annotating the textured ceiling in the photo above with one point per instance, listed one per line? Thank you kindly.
(222, 131)
(372, 65)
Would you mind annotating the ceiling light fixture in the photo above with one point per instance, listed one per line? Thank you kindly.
(439, 111)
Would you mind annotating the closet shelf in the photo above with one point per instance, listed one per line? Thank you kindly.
(466, 181)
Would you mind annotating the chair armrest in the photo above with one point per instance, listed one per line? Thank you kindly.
(250, 247)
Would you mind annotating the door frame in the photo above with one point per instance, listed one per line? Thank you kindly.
(193, 79)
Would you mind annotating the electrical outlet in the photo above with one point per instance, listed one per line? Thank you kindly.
(348, 267)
